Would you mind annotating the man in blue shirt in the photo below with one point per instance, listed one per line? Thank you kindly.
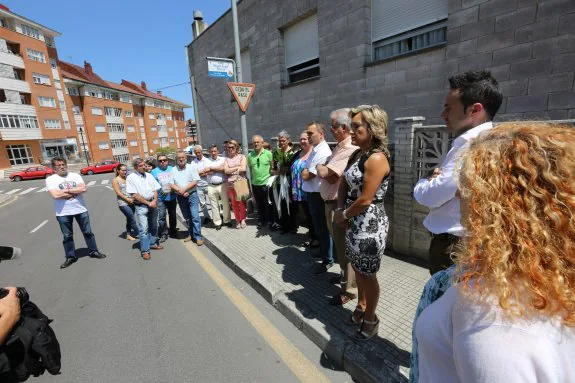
(166, 200)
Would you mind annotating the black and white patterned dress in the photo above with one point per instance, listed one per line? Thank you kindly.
(366, 233)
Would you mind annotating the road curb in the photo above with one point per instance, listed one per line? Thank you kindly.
(334, 343)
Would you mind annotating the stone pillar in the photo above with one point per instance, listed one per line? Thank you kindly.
(403, 182)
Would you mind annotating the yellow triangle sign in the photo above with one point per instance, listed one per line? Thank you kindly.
(243, 93)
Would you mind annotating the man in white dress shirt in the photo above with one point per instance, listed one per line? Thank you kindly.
(311, 186)
(217, 188)
(469, 108)
(201, 164)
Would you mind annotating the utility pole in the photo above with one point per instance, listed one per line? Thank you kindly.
(81, 130)
(196, 32)
(243, 125)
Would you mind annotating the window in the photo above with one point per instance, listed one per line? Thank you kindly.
(110, 95)
(100, 128)
(131, 128)
(35, 55)
(53, 63)
(153, 128)
(164, 142)
(156, 141)
(172, 139)
(93, 93)
(162, 129)
(302, 50)
(116, 128)
(67, 125)
(403, 26)
(160, 116)
(158, 104)
(47, 102)
(152, 116)
(19, 154)
(133, 143)
(29, 31)
(170, 129)
(123, 158)
(129, 113)
(73, 91)
(413, 41)
(139, 114)
(76, 109)
(113, 112)
(103, 145)
(126, 98)
(18, 122)
(49, 41)
(57, 84)
(18, 74)
(62, 105)
(80, 127)
(41, 79)
(119, 144)
(170, 117)
(96, 111)
(52, 124)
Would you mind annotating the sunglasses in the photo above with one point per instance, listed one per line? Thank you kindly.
(231, 147)
(163, 160)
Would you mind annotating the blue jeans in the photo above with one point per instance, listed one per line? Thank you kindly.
(66, 226)
(317, 212)
(191, 211)
(131, 225)
(165, 209)
(148, 223)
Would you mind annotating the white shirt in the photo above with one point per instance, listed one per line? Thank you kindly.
(461, 341)
(318, 156)
(183, 177)
(70, 206)
(216, 178)
(200, 165)
(143, 184)
(438, 194)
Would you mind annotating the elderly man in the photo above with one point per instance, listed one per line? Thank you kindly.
(166, 199)
(144, 190)
(184, 182)
(260, 164)
(331, 176)
(311, 186)
(200, 164)
(218, 189)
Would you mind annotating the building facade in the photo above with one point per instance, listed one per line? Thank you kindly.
(308, 58)
(46, 105)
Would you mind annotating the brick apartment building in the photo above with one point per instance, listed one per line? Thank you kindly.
(310, 57)
(49, 107)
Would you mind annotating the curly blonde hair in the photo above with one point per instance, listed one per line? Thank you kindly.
(376, 119)
(517, 188)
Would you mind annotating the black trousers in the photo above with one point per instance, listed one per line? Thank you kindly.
(264, 209)
(441, 251)
(294, 212)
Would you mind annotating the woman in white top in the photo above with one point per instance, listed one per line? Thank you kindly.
(510, 315)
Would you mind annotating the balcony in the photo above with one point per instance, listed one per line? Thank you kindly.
(162, 134)
(11, 134)
(117, 135)
(114, 120)
(11, 59)
(120, 151)
(15, 85)
(18, 109)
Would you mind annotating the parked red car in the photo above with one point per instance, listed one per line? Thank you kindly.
(100, 167)
(32, 172)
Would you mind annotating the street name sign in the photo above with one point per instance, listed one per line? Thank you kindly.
(220, 69)
(243, 93)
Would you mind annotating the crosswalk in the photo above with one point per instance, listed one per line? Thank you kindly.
(38, 189)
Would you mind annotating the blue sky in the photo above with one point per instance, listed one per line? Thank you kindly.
(130, 39)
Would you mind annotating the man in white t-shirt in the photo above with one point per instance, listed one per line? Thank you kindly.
(67, 189)
(201, 165)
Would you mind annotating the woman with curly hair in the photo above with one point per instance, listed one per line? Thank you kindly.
(362, 193)
(510, 314)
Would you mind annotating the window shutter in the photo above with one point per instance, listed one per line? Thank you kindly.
(301, 42)
(392, 17)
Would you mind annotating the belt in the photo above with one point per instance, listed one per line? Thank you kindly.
(446, 236)
(214, 184)
(330, 202)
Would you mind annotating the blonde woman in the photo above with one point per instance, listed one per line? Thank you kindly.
(234, 168)
(125, 202)
(360, 209)
(510, 315)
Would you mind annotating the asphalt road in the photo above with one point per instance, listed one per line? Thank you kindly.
(122, 319)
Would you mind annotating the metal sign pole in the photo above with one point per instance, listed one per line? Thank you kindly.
(239, 74)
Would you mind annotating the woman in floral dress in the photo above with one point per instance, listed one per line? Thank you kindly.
(297, 193)
(361, 210)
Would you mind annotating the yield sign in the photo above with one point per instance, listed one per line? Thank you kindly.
(243, 93)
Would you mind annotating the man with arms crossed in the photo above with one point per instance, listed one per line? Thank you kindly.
(469, 108)
(218, 189)
(183, 182)
(166, 200)
(67, 189)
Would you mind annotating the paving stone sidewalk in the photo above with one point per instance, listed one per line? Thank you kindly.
(281, 270)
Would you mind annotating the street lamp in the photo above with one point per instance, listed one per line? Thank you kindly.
(81, 130)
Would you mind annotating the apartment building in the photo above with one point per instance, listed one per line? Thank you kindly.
(49, 107)
(310, 57)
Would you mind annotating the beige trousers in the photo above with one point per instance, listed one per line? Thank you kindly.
(215, 193)
(338, 236)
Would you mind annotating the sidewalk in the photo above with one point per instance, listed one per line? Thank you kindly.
(281, 271)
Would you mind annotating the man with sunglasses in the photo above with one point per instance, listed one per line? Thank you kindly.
(260, 164)
(166, 200)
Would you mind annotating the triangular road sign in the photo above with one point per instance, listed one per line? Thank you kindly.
(243, 93)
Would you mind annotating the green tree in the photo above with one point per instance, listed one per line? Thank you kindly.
(167, 150)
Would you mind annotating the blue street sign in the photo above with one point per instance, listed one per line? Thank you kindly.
(220, 69)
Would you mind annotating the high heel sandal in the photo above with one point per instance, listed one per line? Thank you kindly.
(355, 318)
(367, 335)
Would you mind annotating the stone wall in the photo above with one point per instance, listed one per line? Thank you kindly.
(528, 45)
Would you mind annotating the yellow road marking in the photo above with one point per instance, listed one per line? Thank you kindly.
(292, 357)
(8, 202)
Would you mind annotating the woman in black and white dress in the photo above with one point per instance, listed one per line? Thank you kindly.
(361, 210)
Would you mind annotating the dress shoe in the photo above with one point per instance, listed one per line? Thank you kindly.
(322, 268)
(146, 256)
(68, 262)
(206, 221)
(228, 224)
(97, 255)
(157, 247)
(219, 227)
(200, 242)
(174, 234)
